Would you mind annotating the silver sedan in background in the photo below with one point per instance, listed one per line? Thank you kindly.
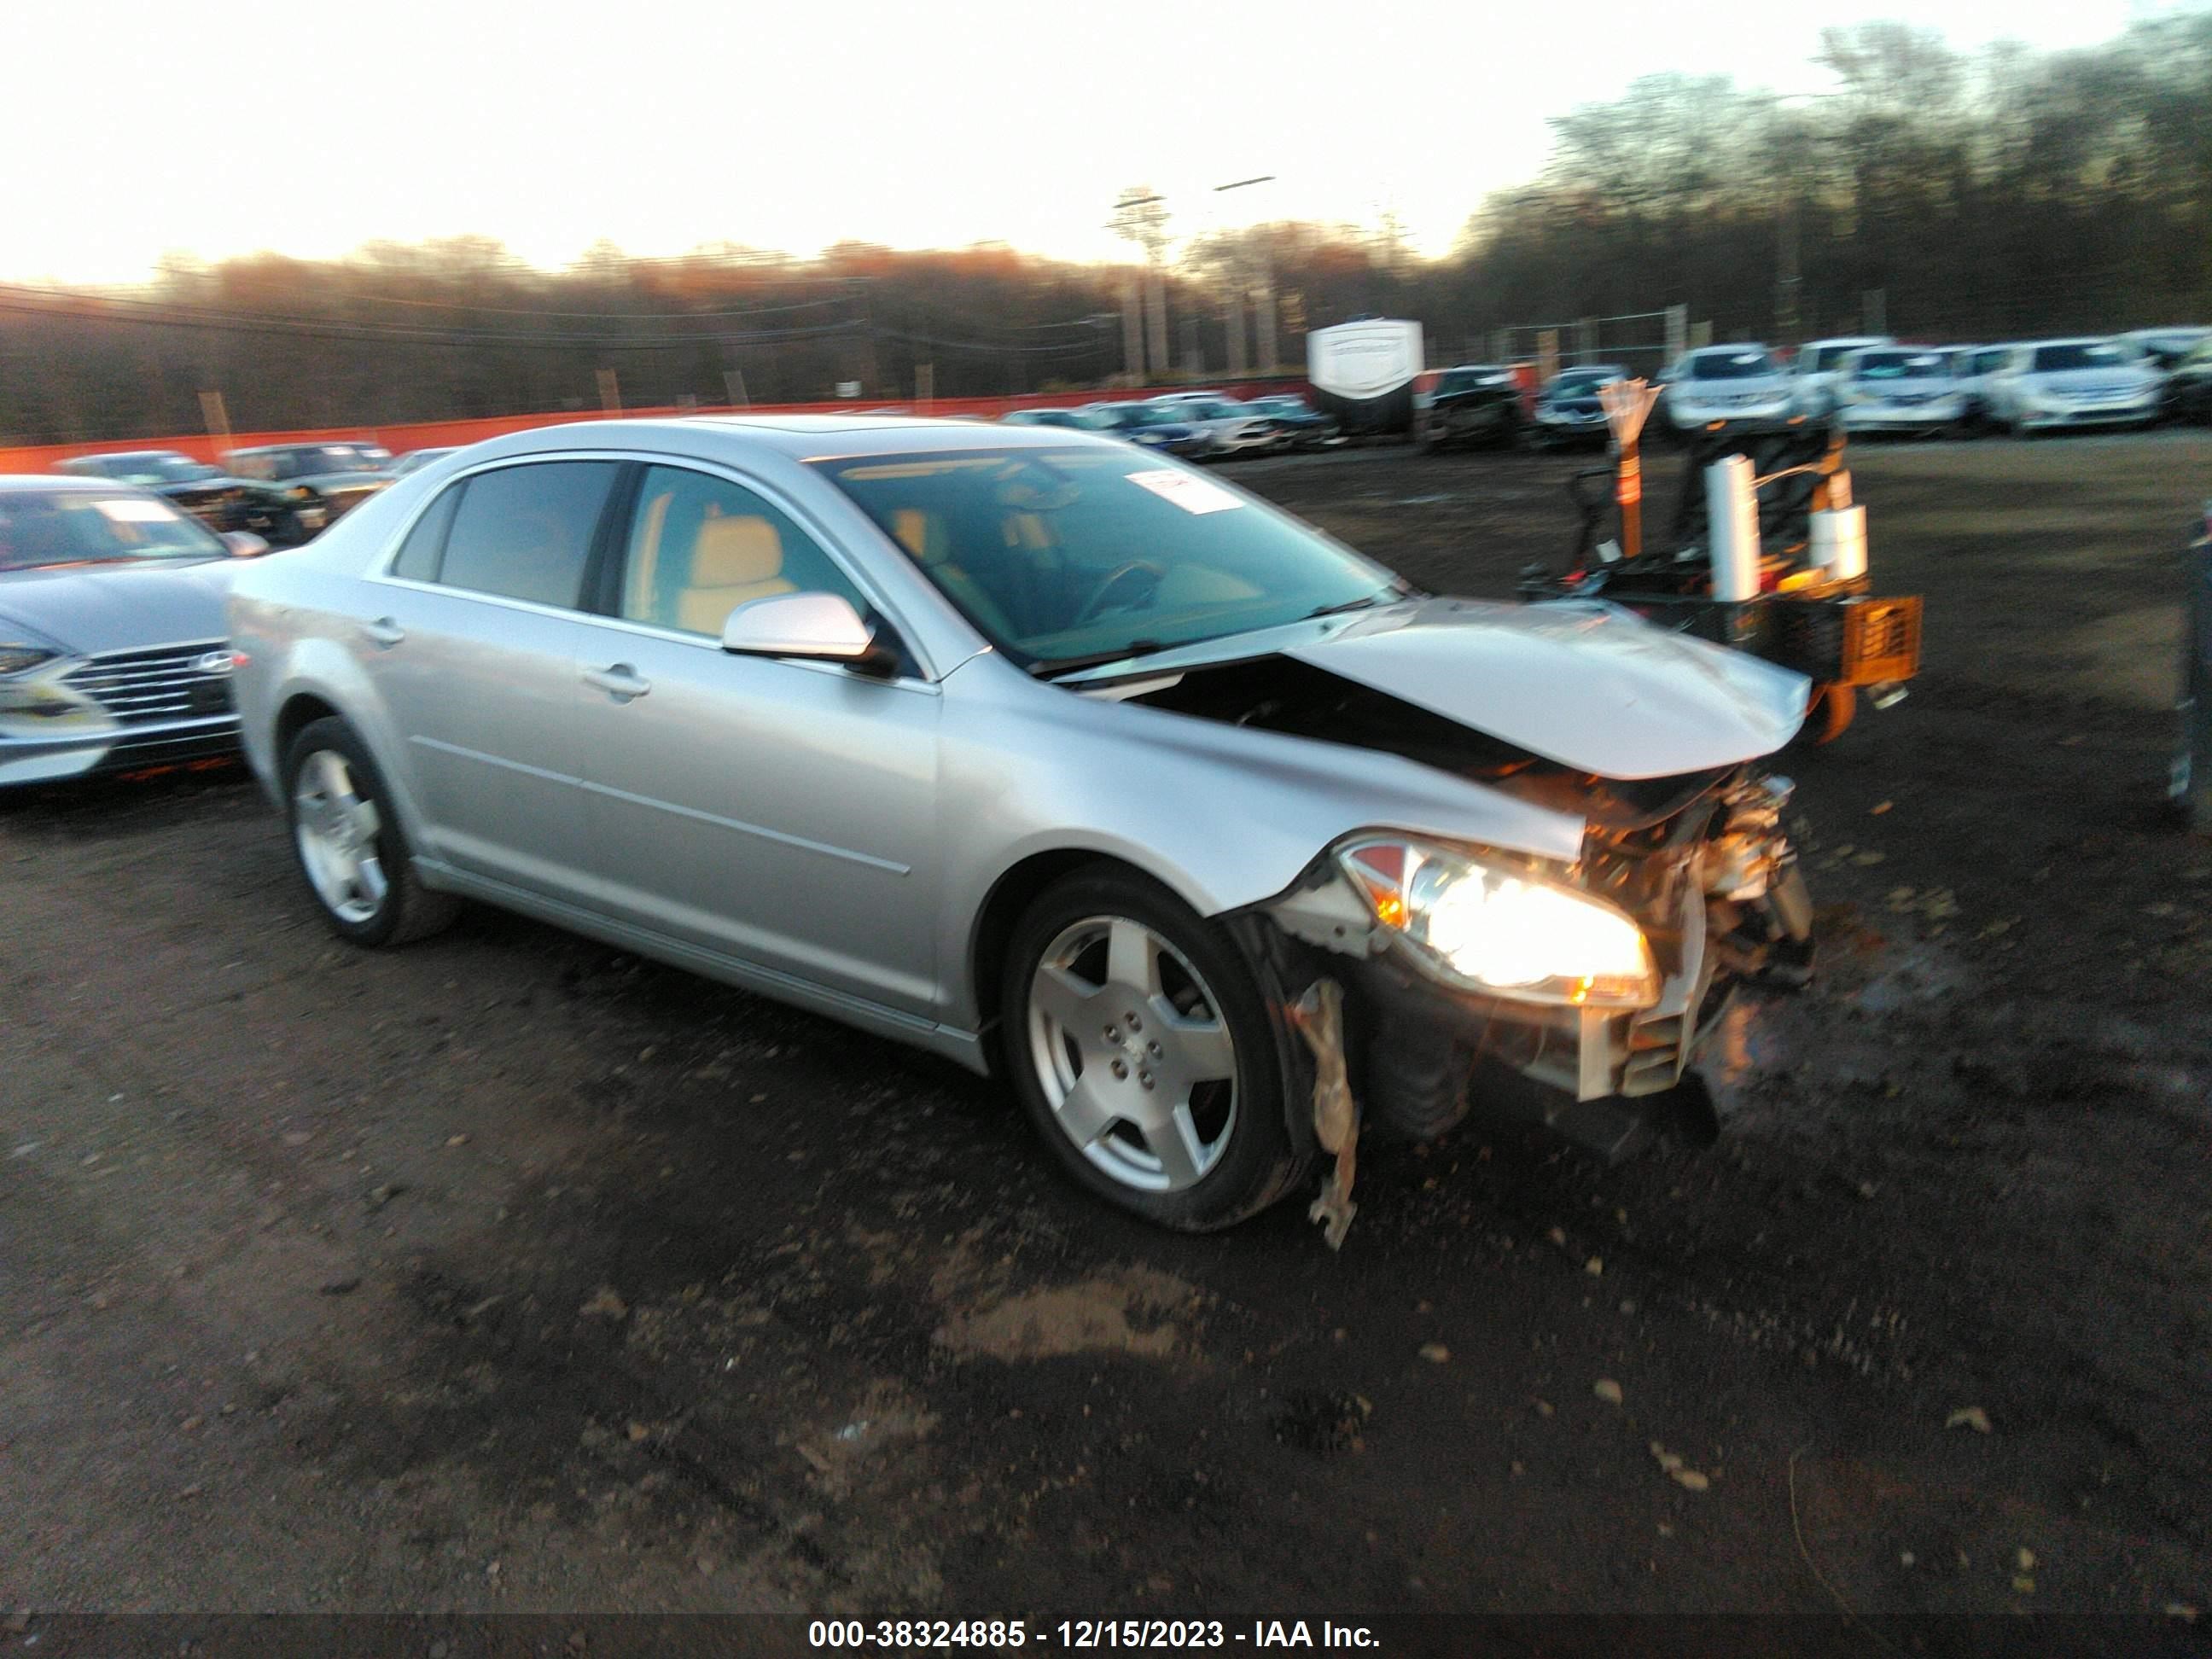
(1061, 759)
(113, 653)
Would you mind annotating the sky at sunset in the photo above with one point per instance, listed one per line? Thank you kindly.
(219, 128)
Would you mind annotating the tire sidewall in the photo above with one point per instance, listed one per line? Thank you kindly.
(392, 850)
(1259, 1158)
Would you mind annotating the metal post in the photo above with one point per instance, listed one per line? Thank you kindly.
(1678, 331)
(2190, 784)
(1269, 359)
(733, 383)
(1874, 311)
(609, 392)
(925, 386)
(1232, 318)
(1158, 345)
(1133, 330)
(1586, 340)
(1785, 272)
(216, 415)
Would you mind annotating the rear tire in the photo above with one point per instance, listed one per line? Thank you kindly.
(347, 844)
(1120, 1007)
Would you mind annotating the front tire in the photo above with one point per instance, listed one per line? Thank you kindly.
(1142, 1045)
(348, 845)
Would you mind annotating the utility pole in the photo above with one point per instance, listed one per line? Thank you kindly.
(1263, 295)
(1140, 216)
(1133, 330)
(1785, 270)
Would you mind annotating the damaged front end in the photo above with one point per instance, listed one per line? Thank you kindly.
(1670, 914)
(1566, 979)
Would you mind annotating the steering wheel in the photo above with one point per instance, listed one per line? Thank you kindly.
(1095, 603)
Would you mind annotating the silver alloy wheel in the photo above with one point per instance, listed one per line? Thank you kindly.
(336, 828)
(1134, 1055)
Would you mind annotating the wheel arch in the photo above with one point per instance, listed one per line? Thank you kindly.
(1018, 888)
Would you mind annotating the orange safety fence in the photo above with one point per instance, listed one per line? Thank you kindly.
(437, 434)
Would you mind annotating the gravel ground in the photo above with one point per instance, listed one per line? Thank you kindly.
(509, 1273)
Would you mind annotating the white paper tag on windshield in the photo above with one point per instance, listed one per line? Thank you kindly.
(129, 512)
(1190, 492)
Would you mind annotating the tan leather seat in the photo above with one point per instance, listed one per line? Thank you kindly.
(735, 560)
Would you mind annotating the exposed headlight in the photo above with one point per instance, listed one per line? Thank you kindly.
(16, 657)
(300, 493)
(1501, 930)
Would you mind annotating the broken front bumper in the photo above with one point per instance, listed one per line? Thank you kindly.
(1721, 900)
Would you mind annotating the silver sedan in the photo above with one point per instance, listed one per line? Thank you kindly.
(1214, 839)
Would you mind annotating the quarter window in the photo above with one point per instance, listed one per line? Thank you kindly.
(419, 554)
(701, 546)
(525, 533)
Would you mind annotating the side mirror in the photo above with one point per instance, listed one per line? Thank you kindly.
(243, 543)
(812, 626)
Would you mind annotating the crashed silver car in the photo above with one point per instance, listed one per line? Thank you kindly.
(1215, 840)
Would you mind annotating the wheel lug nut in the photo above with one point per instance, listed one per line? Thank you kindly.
(1121, 1069)
(1112, 1034)
(1136, 1024)
(1145, 1077)
(1155, 1048)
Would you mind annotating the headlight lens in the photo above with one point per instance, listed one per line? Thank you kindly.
(300, 493)
(16, 657)
(1501, 930)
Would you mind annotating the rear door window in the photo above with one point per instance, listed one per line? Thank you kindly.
(525, 532)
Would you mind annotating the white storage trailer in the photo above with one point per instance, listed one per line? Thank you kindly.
(1363, 372)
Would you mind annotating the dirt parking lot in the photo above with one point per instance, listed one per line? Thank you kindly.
(509, 1273)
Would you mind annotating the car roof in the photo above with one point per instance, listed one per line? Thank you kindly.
(1738, 345)
(799, 437)
(124, 455)
(17, 482)
(1591, 369)
(2070, 339)
(308, 443)
(1847, 339)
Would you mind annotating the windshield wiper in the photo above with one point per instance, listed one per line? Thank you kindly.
(1367, 602)
(1046, 668)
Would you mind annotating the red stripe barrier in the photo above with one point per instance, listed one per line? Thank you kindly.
(431, 434)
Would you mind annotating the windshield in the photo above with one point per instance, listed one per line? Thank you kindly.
(1581, 382)
(2080, 353)
(1904, 366)
(86, 526)
(1285, 405)
(1067, 557)
(1749, 364)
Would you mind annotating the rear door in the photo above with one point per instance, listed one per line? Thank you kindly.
(475, 647)
(781, 812)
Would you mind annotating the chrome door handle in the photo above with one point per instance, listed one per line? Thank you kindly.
(384, 632)
(620, 681)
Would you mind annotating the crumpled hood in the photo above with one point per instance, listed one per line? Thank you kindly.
(1588, 684)
(89, 608)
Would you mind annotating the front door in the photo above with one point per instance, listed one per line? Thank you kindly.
(783, 813)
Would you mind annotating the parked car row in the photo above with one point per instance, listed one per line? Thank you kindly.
(1198, 425)
(285, 494)
(1871, 384)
